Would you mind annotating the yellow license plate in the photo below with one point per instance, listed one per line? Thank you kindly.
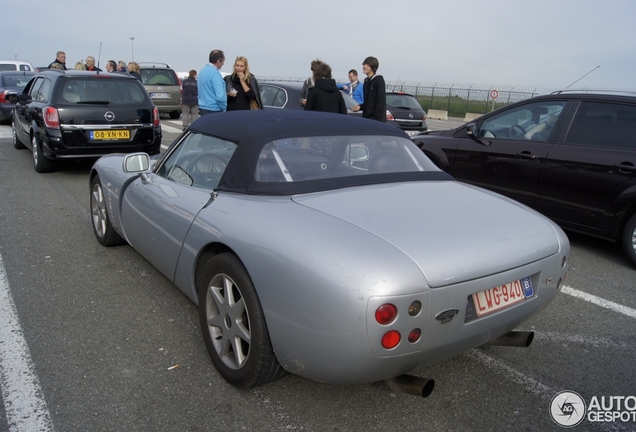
(110, 135)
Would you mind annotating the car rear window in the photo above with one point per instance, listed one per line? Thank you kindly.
(16, 80)
(159, 77)
(8, 67)
(104, 90)
(403, 101)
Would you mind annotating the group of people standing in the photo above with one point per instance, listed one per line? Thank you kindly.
(208, 92)
(111, 66)
(321, 93)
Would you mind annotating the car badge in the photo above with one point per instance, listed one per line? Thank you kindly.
(446, 316)
(411, 116)
(109, 116)
(159, 88)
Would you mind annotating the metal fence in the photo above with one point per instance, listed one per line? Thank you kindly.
(456, 99)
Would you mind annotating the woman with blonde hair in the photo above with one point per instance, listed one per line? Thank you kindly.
(242, 88)
(80, 66)
(133, 69)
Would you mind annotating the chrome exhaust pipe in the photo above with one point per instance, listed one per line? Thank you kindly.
(411, 384)
(513, 339)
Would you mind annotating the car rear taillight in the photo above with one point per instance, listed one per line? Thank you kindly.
(180, 85)
(386, 314)
(156, 121)
(389, 116)
(391, 339)
(51, 117)
(3, 96)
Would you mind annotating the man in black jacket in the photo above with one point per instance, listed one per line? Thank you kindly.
(60, 58)
(374, 106)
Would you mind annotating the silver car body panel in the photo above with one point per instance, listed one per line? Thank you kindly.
(323, 262)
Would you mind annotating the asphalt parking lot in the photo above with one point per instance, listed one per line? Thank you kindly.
(104, 342)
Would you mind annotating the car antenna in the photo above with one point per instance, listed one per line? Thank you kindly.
(583, 77)
(99, 57)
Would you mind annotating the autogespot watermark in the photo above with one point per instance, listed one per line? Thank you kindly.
(568, 409)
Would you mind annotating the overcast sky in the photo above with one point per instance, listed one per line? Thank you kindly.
(547, 44)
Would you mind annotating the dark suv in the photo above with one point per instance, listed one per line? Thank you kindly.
(78, 114)
(571, 156)
(403, 110)
(163, 86)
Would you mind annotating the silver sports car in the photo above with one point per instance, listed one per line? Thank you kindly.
(326, 246)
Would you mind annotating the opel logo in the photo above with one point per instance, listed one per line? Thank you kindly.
(109, 116)
(411, 116)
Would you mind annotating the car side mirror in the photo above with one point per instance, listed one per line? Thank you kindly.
(136, 163)
(471, 129)
(358, 154)
(11, 97)
(24, 98)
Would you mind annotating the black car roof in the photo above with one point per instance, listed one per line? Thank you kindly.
(253, 129)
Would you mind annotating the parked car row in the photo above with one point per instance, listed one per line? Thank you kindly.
(571, 156)
(403, 109)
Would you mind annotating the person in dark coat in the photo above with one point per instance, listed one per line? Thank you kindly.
(374, 106)
(189, 99)
(242, 87)
(324, 95)
(60, 60)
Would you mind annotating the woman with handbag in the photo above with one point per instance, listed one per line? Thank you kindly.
(242, 88)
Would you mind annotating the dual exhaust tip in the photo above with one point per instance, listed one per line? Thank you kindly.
(423, 387)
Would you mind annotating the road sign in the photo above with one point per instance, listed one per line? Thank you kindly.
(494, 94)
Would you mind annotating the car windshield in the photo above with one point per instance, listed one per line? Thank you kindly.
(314, 158)
(89, 90)
(402, 101)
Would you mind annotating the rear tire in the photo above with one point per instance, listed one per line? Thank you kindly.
(233, 324)
(16, 141)
(103, 229)
(629, 238)
(40, 163)
(175, 115)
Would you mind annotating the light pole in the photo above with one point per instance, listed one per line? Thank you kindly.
(132, 45)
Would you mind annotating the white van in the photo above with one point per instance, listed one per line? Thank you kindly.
(15, 65)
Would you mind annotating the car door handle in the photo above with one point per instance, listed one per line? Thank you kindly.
(625, 166)
(526, 155)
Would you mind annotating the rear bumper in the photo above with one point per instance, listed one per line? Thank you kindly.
(56, 146)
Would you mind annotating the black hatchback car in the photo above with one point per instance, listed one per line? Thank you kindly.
(405, 112)
(78, 114)
(571, 156)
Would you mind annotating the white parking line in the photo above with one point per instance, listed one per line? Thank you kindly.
(5, 132)
(174, 130)
(599, 301)
(24, 404)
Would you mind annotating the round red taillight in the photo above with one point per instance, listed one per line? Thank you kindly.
(386, 314)
(415, 335)
(391, 339)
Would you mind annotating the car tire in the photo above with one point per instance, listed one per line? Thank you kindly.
(40, 163)
(233, 324)
(102, 227)
(629, 238)
(16, 141)
(175, 115)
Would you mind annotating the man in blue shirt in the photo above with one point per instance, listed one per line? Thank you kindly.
(354, 88)
(211, 87)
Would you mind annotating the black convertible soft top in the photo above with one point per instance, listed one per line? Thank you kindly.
(251, 130)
